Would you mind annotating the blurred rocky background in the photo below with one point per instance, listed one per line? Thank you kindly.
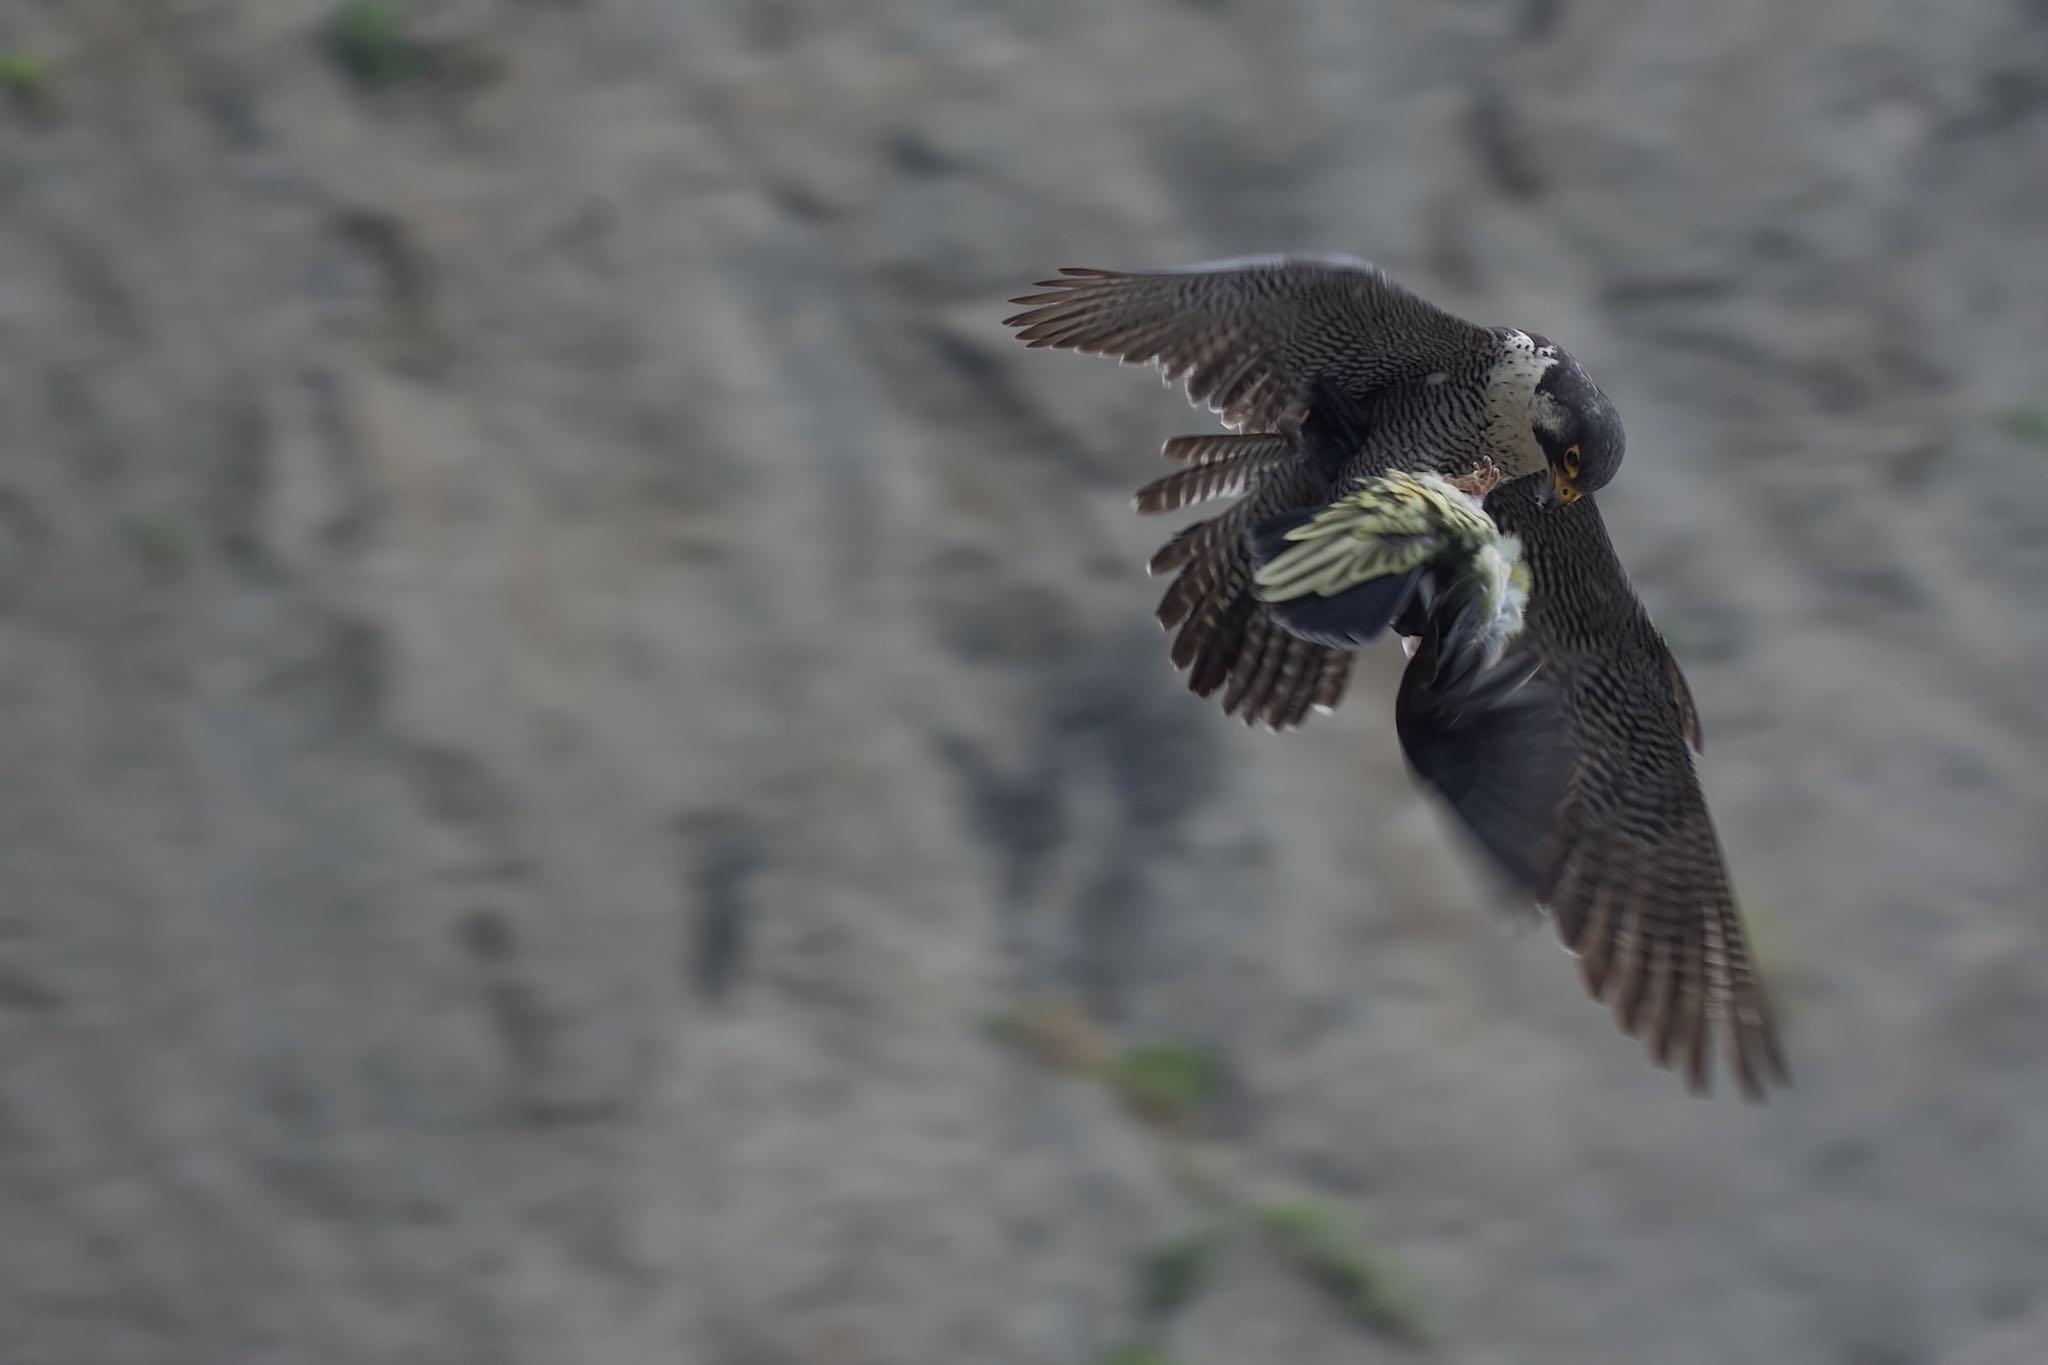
(588, 777)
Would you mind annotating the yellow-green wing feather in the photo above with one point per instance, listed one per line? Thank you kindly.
(1391, 524)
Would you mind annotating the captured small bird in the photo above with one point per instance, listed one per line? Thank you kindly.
(1341, 575)
(1540, 703)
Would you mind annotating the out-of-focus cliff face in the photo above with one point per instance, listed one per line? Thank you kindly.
(557, 668)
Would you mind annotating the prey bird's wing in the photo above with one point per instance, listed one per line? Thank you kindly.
(1341, 574)
(1631, 868)
(1250, 336)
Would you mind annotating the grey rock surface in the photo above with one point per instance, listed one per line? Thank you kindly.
(556, 666)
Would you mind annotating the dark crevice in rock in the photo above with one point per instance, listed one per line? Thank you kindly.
(723, 855)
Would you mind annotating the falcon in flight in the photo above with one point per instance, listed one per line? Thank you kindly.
(1540, 703)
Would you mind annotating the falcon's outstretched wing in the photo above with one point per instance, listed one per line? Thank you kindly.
(1250, 335)
(1631, 868)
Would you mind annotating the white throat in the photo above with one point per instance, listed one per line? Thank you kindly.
(1512, 403)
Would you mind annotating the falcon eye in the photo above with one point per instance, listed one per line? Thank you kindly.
(1571, 460)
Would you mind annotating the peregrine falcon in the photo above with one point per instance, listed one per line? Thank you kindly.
(1577, 783)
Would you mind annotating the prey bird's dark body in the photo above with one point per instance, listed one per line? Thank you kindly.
(1578, 785)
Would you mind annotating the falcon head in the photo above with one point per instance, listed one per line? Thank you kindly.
(1579, 430)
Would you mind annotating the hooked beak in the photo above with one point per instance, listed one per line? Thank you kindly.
(1559, 489)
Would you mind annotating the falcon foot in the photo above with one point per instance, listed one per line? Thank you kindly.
(1484, 478)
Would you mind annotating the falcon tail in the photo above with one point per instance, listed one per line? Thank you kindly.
(1226, 639)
